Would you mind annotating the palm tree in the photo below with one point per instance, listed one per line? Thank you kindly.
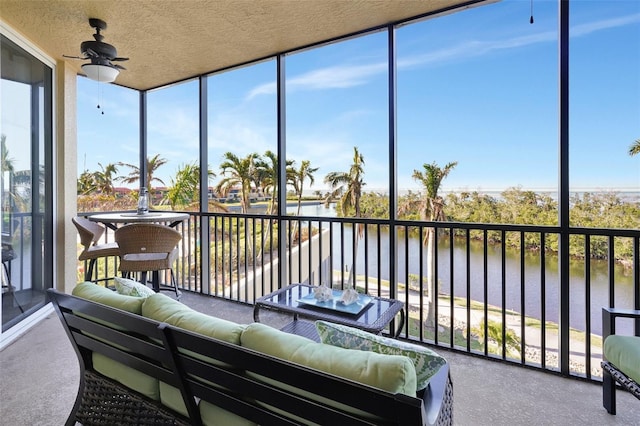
(185, 190)
(103, 179)
(348, 185)
(299, 176)
(153, 164)
(267, 173)
(238, 172)
(7, 162)
(267, 178)
(634, 148)
(86, 183)
(432, 210)
(6, 167)
(24, 186)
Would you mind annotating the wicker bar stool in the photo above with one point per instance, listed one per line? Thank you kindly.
(148, 247)
(90, 234)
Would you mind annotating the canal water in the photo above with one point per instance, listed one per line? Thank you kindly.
(517, 278)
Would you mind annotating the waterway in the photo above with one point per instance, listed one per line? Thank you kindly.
(518, 280)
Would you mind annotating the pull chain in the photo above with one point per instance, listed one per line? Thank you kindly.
(531, 18)
(100, 98)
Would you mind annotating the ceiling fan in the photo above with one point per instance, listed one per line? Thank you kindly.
(101, 54)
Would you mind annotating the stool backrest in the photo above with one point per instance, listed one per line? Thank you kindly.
(90, 232)
(146, 237)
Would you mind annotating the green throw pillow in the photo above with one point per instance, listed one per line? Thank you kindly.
(132, 288)
(426, 361)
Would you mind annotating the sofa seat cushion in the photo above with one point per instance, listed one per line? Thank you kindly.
(426, 362)
(95, 293)
(162, 308)
(133, 379)
(392, 373)
(130, 377)
(624, 353)
(211, 414)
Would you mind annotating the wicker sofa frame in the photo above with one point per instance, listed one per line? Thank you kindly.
(175, 357)
(610, 373)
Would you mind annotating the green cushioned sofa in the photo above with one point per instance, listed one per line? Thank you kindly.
(155, 360)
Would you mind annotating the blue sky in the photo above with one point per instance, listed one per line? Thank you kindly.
(478, 87)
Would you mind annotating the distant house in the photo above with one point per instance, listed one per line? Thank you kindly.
(121, 191)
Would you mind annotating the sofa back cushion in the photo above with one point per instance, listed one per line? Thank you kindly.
(162, 308)
(426, 362)
(99, 294)
(392, 373)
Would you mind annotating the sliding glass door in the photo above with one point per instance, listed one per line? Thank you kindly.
(26, 181)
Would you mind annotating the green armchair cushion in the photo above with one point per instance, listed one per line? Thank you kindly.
(624, 353)
(426, 362)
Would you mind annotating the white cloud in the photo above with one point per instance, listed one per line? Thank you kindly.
(263, 89)
(475, 48)
(336, 77)
(240, 135)
(346, 76)
(588, 28)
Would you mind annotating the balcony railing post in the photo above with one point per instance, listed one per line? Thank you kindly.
(282, 175)
(563, 201)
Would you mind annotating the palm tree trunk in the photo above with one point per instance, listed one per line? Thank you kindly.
(431, 277)
(358, 229)
(245, 204)
(266, 231)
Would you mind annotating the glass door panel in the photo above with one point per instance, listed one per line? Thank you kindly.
(25, 179)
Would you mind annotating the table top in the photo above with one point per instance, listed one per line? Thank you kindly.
(374, 318)
(133, 217)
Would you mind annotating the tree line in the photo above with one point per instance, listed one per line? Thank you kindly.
(514, 206)
(247, 174)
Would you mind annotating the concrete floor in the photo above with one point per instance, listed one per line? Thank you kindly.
(39, 379)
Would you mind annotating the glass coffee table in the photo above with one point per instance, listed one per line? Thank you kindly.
(374, 314)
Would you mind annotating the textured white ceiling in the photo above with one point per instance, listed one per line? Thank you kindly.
(172, 40)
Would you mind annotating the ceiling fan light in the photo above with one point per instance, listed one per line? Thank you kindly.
(101, 73)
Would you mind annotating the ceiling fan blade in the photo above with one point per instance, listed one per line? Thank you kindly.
(119, 59)
(120, 67)
(74, 57)
(91, 53)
